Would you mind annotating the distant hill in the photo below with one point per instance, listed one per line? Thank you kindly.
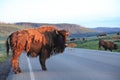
(106, 29)
(6, 29)
(75, 30)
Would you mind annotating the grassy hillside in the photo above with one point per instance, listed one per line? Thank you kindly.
(75, 29)
(107, 29)
(92, 42)
(6, 29)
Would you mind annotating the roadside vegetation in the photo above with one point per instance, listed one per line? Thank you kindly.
(2, 50)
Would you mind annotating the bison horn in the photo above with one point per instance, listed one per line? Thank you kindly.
(56, 32)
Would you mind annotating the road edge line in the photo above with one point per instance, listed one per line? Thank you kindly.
(30, 69)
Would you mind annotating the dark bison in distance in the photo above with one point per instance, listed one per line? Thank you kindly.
(107, 45)
(102, 34)
(118, 33)
(43, 42)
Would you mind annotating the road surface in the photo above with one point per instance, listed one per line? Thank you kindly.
(73, 64)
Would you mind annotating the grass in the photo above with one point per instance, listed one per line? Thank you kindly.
(3, 55)
(87, 45)
(3, 58)
(92, 43)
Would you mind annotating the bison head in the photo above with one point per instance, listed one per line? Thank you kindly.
(56, 41)
(60, 41)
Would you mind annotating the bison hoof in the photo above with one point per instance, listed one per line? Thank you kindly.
(44, 69)
(18, 71)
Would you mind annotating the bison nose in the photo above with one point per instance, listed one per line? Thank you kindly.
(66, 45)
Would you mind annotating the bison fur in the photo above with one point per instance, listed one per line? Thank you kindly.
(44, 42)
(107, 45)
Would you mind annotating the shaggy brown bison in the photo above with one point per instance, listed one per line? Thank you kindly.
(107, 45)
(43, 42)
(116, 37)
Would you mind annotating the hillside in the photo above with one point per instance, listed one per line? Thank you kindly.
(6, 29)
(75, 30)
(107, 30)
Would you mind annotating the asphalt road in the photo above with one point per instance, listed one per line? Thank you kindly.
(73, 64)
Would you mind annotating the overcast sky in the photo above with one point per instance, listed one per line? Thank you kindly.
(88, 13)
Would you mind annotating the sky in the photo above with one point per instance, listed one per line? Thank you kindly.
(87, 13)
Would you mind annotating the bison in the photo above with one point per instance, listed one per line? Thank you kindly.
(107, 45)
(72, 39)
(118, 33)
(116, 37)
(43, 42)
(102, 34)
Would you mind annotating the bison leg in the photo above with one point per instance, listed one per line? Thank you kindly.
(105, 49)
(15, 65)
(15, 62)
(42, 62)
(42, 58)
(110, 49)
(99, 47)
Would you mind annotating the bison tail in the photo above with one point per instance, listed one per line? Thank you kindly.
(7, 46)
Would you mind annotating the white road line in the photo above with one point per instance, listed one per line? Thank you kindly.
(30, 69)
